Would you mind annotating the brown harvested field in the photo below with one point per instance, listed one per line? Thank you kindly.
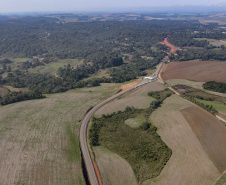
(210, 132)
(137, 99)
(201, 71)
(173, 48)
(12, 89)
(3, 91)
(189, 163)
(113, 168)
(39, 141)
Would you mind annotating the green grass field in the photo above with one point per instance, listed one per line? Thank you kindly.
(222, 180)
(217, 106)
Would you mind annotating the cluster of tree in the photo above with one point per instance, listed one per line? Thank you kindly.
(209, 108)
(204, 54)
(13, 97)
(44, 83)
(186, 39)
(215, 86)
(31, 63)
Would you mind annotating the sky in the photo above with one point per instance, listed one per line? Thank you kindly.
(10, 6)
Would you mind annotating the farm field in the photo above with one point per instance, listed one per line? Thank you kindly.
(194, 84)
(54, 66)
(187, 151)
(197, 85)
(113, 168)
(201, 71)
(137, 99)
(214, 42)
(220, 107)
(210, 132)
(39, 141)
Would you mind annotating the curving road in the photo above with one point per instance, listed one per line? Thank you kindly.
(93, 180)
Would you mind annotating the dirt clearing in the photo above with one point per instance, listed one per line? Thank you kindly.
(3, 91)
(173, 48)
(201, 71)
(137, 99)
(13, 89)
(113, 168)
(189, 163)
(210, 132)
(129, 85)
(39, 142)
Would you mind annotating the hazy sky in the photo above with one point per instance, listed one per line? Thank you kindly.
(93, 5)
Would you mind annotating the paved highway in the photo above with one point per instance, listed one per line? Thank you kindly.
(93, 180)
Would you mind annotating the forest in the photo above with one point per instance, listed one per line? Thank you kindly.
(215, 86)
(124, 48)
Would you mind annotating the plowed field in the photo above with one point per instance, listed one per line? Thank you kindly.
(39, 142)
(210, 132)
(189, 163)
(201, 71)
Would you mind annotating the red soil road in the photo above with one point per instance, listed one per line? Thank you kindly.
(172, 47)
(97, 172)
(210, 132)
(201, 71)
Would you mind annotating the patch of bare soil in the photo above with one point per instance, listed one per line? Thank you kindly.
(189, 163)
(210, 132)
(13, 89)
(201, 71)
(129, 85)
(173, 48)
(3, 92)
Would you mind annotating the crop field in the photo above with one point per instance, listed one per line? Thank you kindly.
(189, 163)
(39, 139)
(210, 132)
(214, 42)
(113, 168)
(199, 94)
(137, 99)
(200, 71)
(220, 107)
(54, 66)
(197, 85)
